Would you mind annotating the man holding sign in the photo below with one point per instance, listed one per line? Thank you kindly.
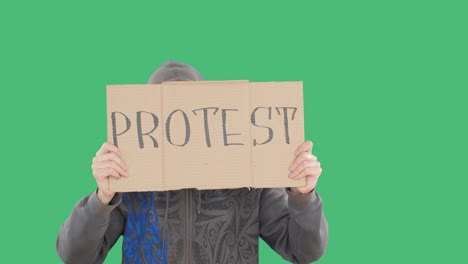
(173, 181)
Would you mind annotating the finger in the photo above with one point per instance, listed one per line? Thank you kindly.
(300, 158)
(111, 164)
(303, 165)
(304, 147)
(310, 185)
(106, 172)
(111, 156)
(310, 171)
(107, 147)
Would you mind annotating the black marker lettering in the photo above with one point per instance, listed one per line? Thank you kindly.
(270, 130)
(114, 126)
(205, 121)
(139, 132)
(286, 120)
(187, 128)
(225, 134)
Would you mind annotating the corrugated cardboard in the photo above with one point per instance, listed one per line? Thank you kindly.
(278, 106)
(206, 135)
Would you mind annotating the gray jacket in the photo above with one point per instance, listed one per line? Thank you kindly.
(212, 226)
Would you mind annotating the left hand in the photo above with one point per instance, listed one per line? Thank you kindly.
(305, 166)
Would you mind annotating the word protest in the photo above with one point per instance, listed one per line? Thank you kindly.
(205, 134)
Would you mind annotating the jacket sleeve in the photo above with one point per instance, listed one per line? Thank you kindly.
(293, 224)
(90, 231)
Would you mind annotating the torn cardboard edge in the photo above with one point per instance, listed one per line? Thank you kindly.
(206, 134)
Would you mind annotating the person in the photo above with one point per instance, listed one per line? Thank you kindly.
(195, 226)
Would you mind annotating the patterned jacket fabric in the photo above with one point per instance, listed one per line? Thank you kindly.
(192, 226)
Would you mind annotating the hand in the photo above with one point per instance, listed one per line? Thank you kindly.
(107, 163)
(305, 166)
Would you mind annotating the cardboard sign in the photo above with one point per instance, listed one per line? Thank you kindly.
(205, 134)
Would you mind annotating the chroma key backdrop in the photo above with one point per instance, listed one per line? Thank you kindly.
(385, 104)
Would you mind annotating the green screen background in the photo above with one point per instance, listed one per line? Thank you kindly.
(385, 98)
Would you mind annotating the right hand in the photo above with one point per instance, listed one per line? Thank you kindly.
(107, 163)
